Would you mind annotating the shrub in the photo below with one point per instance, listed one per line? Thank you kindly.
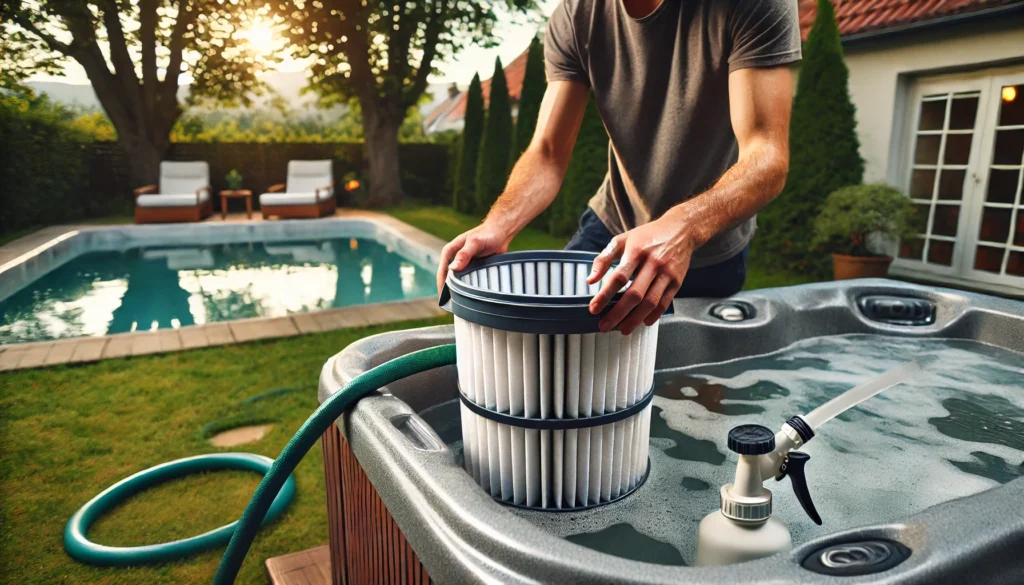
(534, 85)
(587, 169)
(464, 195)
(43, 171)
(492, 166)
(823, 145)
(852, 214)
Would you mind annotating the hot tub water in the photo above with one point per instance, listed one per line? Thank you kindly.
(956, 430)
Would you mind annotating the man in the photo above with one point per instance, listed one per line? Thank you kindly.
(677, 207)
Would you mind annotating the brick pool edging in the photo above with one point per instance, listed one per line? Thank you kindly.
(78, 350)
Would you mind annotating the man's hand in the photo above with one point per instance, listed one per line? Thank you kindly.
(483, 240)
(659, 254)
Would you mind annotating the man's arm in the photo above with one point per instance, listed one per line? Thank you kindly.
(534, 183)
(659, 252)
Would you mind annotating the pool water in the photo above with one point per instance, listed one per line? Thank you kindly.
(161, 287)
(956, 430)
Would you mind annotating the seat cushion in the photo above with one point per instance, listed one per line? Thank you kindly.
(183, 177)
(272, 199)
(172, 200)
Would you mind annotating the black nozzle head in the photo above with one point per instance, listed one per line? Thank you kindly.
(751, 440)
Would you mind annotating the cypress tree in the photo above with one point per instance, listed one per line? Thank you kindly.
(823, 146)
(534, 84)
(587, 169)
(492, 167)
(463, 197)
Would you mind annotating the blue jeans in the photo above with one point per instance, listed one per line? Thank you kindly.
(717, 280)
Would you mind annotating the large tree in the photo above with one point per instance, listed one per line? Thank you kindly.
(381, 53)
(492, 166)
(464, 198)
(133, 53)
(824, 150)
(534, 85)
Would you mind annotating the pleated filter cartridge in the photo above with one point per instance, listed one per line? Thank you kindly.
(555, 414)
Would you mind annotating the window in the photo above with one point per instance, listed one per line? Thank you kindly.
(1001, 232)
(964, 173)
(945, 133)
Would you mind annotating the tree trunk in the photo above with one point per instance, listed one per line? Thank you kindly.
(143, 159)
(380, 129)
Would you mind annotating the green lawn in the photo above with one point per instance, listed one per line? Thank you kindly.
(446, 223)
(69, 432)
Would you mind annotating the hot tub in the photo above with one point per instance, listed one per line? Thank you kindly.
(930, 471)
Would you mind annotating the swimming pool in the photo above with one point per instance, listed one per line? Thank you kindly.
(143, 278)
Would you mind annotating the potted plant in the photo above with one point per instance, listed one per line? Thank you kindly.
(853, 214)
(234, 180)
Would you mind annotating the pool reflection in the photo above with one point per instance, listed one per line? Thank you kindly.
(160, 288)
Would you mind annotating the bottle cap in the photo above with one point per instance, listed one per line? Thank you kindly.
(746, 508)
(751, 440)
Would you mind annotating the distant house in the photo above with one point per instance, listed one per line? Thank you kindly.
(939, 91)
(450, 113)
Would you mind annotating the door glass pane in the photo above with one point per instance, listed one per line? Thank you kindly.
(995, 225)
(942, 142)
(1015, 264)
(962, 113)
(933, 115)
(1011, 111)
(1009, 147)
(940, 252)
(912, 249)
(922, 182)
(958, 149)
(945, 220)
(1002, 185)
(1018, 232)
(927, 151)
(951, 184)
(988, 259)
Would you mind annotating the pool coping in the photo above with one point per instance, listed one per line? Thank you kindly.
(86, 349)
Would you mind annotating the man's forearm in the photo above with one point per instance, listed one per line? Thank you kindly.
(749, 185)
(532, 187)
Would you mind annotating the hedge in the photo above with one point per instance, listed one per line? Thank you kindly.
(824, 152)
(43, 165)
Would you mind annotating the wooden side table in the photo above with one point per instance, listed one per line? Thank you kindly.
(235, 194)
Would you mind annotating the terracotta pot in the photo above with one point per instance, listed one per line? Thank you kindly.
(846, 267)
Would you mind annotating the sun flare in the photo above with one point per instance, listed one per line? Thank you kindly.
(260, 36)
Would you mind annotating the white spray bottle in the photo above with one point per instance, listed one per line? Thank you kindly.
(744, 528)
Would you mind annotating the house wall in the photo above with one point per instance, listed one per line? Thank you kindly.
(882, 71)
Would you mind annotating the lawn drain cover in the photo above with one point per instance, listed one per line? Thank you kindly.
(240, 435)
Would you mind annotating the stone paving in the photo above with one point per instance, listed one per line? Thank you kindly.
(89, 349)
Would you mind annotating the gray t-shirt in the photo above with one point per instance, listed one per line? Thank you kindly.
(661, 84)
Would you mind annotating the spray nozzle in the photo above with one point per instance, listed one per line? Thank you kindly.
(793, 467)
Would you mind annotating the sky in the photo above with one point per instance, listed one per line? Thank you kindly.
(514, 38)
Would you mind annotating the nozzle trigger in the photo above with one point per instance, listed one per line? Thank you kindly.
(793, 466)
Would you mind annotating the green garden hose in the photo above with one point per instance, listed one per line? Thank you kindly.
(80, 548)
(307, 436)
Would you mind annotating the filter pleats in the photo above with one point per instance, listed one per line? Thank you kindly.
(552, 376)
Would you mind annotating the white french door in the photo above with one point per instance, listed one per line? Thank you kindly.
(964, 175)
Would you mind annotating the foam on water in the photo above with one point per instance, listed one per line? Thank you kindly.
(956, 430)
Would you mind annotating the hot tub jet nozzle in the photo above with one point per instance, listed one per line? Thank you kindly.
(744, 528)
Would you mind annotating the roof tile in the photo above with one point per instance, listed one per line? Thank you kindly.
(861, 16)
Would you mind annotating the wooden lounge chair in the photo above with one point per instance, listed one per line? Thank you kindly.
(309, 192)
(183, 194)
